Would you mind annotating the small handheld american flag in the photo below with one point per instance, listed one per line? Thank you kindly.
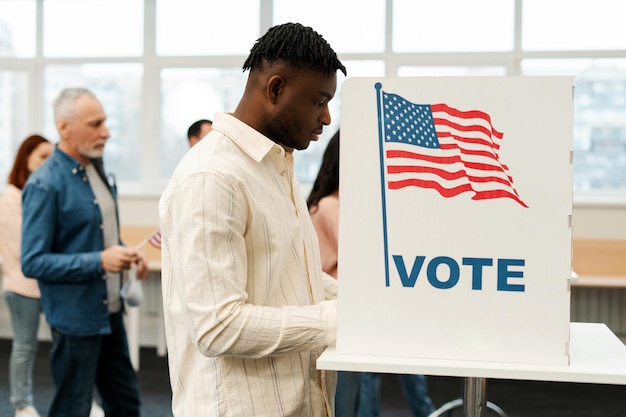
(154, 239)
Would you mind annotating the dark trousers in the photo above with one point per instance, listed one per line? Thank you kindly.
(415, 390)
(80, 362)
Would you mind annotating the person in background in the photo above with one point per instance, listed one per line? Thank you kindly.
(198, 130)
(71, 244)
(357, 393)
(248, 309)
(415, 390)
(323, 204)
(20, 293)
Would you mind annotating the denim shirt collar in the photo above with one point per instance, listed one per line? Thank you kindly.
(77, 168)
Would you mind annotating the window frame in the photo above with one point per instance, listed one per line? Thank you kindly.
(151, 184)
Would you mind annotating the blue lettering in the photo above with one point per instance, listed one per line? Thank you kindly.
(431, 271)
(504, 271)
(504, 274)
(408, 281)
(477, 270)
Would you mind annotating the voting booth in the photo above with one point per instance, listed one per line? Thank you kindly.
(455, 218)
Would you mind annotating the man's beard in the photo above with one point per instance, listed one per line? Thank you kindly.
(92, 153)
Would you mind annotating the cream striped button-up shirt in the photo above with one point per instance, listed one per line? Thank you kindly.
(243, 288)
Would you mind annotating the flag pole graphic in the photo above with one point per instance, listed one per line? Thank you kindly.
(381, 137)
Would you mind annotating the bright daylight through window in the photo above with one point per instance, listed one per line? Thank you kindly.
(163, 68)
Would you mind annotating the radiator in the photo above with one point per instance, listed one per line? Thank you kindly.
(600, 305)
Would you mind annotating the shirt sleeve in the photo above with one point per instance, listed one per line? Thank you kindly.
(38, 227)
(206, 274)
(330, 287)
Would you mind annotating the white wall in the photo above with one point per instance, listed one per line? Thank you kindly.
(599, 221)
(139, 210)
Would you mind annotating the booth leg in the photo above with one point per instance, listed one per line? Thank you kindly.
(474, 402)
(474, 397)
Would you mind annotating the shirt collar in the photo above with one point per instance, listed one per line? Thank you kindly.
(69, 162)
(251, 141)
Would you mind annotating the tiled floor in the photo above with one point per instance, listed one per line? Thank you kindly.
(516, 398)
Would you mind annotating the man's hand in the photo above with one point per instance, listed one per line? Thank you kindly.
(142, 265)
(117, 258)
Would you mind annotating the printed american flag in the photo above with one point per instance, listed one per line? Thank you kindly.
(439, 147)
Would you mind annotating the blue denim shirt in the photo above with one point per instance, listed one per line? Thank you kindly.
(62, 237)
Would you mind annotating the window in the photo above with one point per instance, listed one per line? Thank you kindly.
(573, 25)
(365, 31)
(108, 32)
(14, 105)
(195, 28)
(17, 28)
(118, 87)
(190, 94)
(600, 119)
(436, 71)
(452, 25)
(159, 65)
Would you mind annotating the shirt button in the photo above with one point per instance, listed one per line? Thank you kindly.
(101, 227)
(74, 171)
(105, 302)
(95, 202)
(104, 277)
(84, 179)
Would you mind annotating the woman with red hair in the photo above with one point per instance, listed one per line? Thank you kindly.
(21, 293)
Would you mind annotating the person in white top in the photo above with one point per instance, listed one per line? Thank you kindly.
(21, 293)
(248, 309)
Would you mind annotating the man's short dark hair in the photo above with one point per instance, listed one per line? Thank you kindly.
(194, 129)
(297, 45)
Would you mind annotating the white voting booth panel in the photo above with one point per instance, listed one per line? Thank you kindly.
(455, 218)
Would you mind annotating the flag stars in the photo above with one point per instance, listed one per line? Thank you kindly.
(408, 122)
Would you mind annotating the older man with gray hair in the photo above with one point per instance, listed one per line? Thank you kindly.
(71, 244)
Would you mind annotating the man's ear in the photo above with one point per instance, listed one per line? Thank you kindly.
(62, 125)
(275, 86)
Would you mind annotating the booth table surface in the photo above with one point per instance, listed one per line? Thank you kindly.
(596, 356)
